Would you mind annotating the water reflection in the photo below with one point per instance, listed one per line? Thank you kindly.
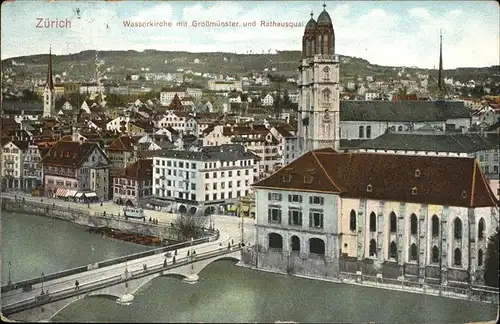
(35, 244)
(227, 293)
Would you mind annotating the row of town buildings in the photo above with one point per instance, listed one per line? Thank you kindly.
(386, 188)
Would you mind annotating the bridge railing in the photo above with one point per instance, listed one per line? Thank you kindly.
(470, 292)
(47, 297)
(27, 284)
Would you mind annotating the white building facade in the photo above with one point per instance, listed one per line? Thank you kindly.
(316, 218)
(207, 180)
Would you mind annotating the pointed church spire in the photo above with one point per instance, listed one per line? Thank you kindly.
(440, 72)
(50, 81)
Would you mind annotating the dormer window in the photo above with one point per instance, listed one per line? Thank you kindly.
(414, 191)
(308, 178)
(417, 173)
(464, 194)
(286, 178)
(369, 188)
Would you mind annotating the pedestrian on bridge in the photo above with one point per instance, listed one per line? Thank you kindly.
(165, 263)
(144, 267)
(77, 284)
(173, 260)
(188, 253)
(175, 252)
(228, 245)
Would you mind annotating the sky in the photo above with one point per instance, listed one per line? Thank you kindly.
(394, 33)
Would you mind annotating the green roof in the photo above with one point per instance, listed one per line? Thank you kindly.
(444, 142)
(402, 111)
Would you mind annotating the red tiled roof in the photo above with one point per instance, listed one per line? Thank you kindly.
(449, 181)
(139, 170)
(176, 103)
(66, 153)
(8, 124)
(122, 143)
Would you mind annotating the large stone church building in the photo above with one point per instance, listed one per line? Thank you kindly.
(424, 218)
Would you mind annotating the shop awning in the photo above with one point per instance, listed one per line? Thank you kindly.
(90, 194)
(233, 208)
(245, 209)
(78, 194)
(61, 192)
(70, 193)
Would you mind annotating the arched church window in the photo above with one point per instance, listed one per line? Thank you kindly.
(326, 95)
(326, 73)
(309, 47)
(368, 131)
(361, 132)
(318, 45)
(325, 45)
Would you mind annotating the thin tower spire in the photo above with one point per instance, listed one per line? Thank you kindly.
(50, 81)
(440, 72)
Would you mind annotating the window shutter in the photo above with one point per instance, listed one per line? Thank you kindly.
(289, 217)
(269, 196)
(269, 215)
(289, 198)
(300, 199)
(310, 219)
(279, 215)
(310, 200)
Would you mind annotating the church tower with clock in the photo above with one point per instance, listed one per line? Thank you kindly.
(319, 92)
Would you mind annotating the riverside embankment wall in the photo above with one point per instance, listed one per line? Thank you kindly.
(88, 219)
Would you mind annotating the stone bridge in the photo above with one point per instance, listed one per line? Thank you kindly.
(132, 277)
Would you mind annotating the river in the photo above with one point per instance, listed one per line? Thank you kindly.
(35, 244)
(225, 292)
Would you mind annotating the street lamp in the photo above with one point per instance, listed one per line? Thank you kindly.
(42, 283)
(192, 256)
(242, 222)
(92, 257)
(10, 265)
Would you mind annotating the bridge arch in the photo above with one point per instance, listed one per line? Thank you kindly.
(181, 276)
(90, 295)
(116, 290)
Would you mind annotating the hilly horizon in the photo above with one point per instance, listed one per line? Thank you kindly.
(123, 62)
(92, 52)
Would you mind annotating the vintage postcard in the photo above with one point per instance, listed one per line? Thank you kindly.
(250, 161)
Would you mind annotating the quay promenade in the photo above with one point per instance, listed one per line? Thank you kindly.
(225, 224)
